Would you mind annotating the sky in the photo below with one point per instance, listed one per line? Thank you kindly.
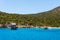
(27, 6)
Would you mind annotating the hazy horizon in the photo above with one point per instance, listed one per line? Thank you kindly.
(27, 6)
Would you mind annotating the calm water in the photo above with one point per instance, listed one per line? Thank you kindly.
(29, 34)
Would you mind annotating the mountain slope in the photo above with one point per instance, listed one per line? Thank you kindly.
(49, 18)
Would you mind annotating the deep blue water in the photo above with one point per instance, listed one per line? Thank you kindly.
(29, 34)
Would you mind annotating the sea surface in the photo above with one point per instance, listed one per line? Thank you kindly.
(29, 34)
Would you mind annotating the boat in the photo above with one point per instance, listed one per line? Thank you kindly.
(13, 26)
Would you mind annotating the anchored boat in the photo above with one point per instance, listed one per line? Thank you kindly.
(13, 26)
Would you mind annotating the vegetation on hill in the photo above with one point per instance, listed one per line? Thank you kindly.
(49, 18)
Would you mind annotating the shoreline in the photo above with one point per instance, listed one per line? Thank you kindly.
(29, 26)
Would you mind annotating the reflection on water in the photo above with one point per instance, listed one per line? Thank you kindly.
(29, 34)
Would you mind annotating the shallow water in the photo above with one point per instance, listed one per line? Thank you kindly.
(29, 34)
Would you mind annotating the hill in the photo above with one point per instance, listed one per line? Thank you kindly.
(48, 18)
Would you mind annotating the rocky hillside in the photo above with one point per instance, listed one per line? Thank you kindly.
(48, 18)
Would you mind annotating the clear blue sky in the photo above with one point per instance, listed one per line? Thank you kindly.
(27, 6)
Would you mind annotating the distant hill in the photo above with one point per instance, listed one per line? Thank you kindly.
(48, 18)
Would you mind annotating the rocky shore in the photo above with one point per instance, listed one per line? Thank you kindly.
(26, 26)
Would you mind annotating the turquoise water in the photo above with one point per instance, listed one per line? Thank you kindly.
(29, 34)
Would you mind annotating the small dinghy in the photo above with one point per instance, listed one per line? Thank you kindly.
(45, 28)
